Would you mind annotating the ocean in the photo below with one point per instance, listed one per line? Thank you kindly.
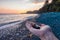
(53, 20)
(13, 28)
(21, 33)
(15, 17)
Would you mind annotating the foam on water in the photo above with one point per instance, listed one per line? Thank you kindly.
(11, 18)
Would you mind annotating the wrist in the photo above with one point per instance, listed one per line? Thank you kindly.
(48, 36)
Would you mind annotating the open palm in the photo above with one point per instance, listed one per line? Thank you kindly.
(38, 32)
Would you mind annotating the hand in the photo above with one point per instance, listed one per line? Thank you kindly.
(38, 32)
(44, 33)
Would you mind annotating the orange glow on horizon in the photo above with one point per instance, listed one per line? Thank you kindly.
(14, 11)
(2, 10)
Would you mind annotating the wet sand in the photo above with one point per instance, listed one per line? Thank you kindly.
(16, 31)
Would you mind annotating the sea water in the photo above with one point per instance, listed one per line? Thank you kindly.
(52, 19)
(6, 18)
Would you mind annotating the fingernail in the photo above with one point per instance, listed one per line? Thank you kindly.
(42, 24)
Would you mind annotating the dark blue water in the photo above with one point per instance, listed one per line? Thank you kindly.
(52, 19)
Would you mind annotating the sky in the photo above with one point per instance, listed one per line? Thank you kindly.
(20, 6)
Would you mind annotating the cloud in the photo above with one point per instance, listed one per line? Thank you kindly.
(37, 1)
(26, 5)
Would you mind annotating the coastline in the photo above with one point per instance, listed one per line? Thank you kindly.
(16, 31)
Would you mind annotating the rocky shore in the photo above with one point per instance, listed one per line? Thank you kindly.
(17, 31)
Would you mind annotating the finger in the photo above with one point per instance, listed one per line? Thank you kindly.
(29, 26)
(42, 24)
(45, 27)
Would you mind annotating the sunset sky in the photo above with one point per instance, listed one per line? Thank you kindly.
(20, 6)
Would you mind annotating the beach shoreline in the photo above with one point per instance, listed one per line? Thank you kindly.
(16, 31)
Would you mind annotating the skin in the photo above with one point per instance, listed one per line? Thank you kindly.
(44, 33)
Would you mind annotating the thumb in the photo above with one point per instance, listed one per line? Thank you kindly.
(29, 26)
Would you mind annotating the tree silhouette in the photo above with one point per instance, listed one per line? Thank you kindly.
(44, 8)
(52, 7)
